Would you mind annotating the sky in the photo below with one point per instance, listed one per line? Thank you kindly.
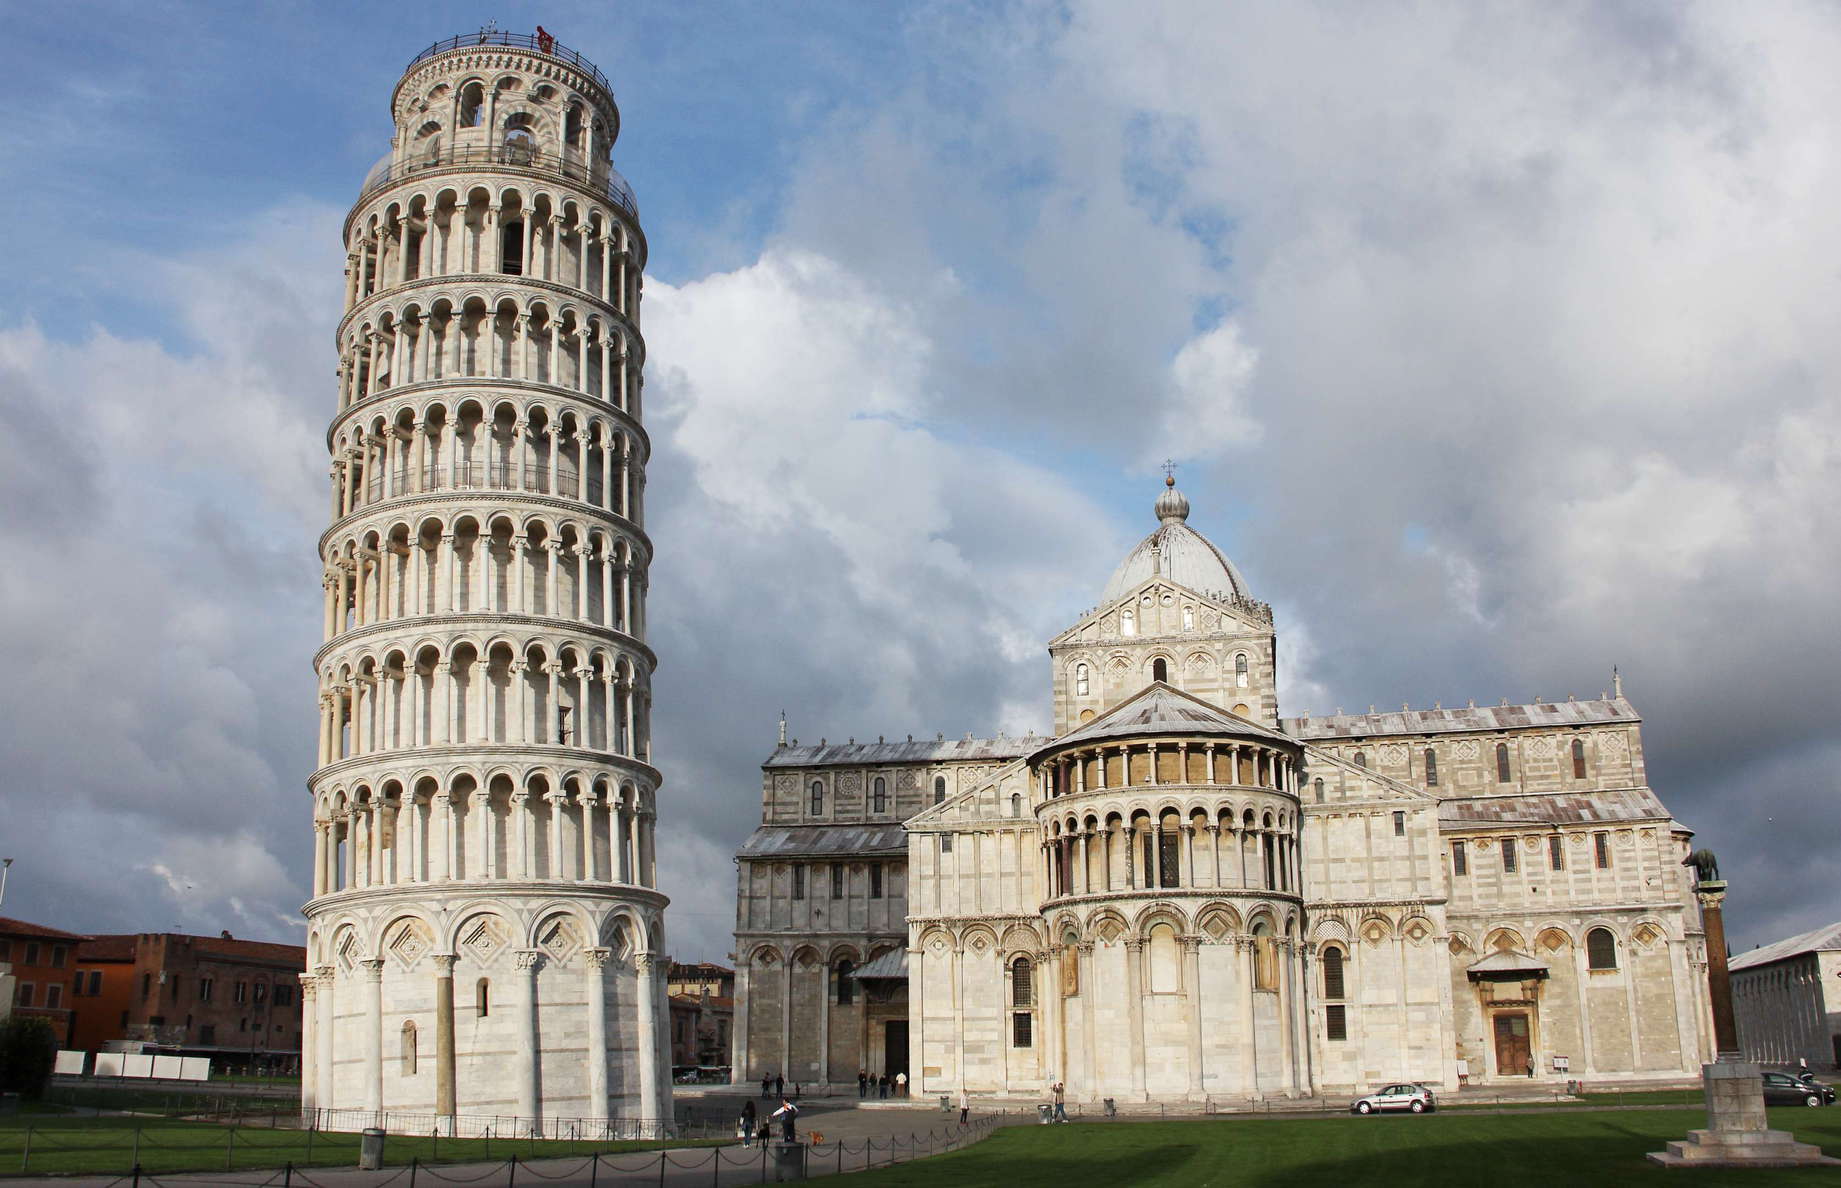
(1497, 344)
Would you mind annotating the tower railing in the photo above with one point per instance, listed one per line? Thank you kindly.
(543, 45)
(518, 155)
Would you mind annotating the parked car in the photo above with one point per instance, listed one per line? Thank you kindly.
(1416, 1099)
(1784, 1089)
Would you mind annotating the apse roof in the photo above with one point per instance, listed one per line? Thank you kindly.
(1160, 709)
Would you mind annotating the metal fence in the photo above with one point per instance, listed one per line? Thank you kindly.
(543, 45)
(516, 154)
(164, 1155)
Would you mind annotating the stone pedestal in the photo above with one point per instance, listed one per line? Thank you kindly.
(1737, 1134)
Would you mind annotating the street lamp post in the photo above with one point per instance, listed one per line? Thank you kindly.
(6, 864)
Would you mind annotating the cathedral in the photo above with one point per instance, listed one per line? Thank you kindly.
(1183, 896)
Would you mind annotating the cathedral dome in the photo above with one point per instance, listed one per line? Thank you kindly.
(1175, 551)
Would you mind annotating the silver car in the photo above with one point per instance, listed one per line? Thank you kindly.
(1407, 1096)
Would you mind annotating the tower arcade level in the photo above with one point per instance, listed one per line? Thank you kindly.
(485, 933)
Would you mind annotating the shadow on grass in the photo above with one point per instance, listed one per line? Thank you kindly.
(988, 1164)
(1614, 1152)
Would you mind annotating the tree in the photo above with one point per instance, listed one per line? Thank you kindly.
(28, 1051)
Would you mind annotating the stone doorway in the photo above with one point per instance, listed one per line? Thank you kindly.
(895, 1046)
(1513, 1049)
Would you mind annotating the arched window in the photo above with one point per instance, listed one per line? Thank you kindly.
(572, 126)
(879, 796)
(1128, 623)
(1022, 983)
(1332, 973)
(846, 984)
(482, 998)
(1318, 786)
(939, 789)
(1016, 804)
(472, 105)
(818, 797)
(1160, 671)
(1431, 768)
(1361, 759)
(1080, 680)
(520, 142)
(1600, 949)
(409, 1048)
(1578, 758)
(1188, 618)
(1240, 670)
(1502, 763)
(511, 247)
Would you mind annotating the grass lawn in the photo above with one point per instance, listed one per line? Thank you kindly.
(1501, 1150)
(64, 1145)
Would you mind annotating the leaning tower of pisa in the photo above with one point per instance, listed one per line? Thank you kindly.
(486, 934)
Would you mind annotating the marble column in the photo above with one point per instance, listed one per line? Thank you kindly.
(595, 976)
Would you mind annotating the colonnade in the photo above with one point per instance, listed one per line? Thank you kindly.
(1116, 855)
(421, 236)
(589, 834)
(460, 697)
(1109, 765)
(590, 463)
(465, 338)
(593, 581)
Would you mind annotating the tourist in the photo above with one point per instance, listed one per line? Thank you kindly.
(901, 1084)
(785, 1114)
(965, 1106)
(779, 1085)
(1061, 1102)
(882, 1086)
(744, 1129)
(862, 1084)
(766, 1086)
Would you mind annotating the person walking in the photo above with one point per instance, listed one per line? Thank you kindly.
(862, 1084)
(965, 1106)
(1061, 1102)
(779, 1085)
(901, 1084)
(766, 1086)
(744, 1129)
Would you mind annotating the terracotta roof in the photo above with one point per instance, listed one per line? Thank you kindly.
(1814, 941)
(937, 750)
(1161, 709)
(12, 927)
(804, 841)
(1470, 719)
(1553, 808)
(293, 956)
(107, 948)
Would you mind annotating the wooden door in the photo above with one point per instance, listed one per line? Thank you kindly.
(1512, 1048)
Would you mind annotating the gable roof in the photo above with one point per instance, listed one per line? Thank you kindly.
(1465, 720)
(936, 750)
(11, 927)
(805, 841)
(1815, 940)
(1162, 709)
(1553, 808)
